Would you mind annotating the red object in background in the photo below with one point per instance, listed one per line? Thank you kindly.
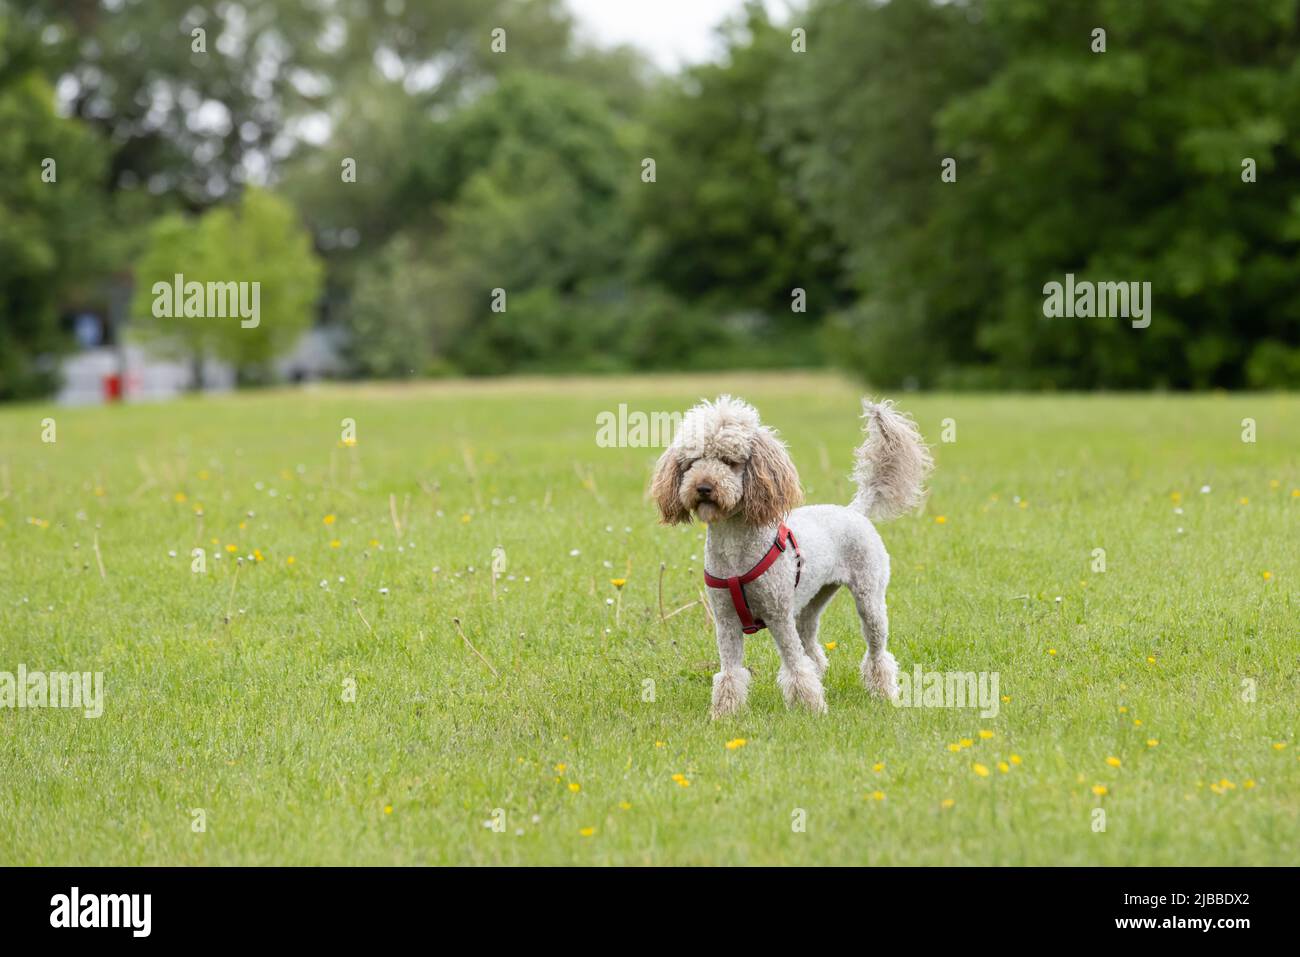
(112, 388)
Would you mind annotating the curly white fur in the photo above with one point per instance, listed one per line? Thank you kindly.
(733, 473)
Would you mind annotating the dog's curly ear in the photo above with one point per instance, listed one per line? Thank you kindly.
(771, 482)
(665, 488)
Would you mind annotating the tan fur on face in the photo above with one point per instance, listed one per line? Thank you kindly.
(723, 444)
(664, 489)
(771, 482)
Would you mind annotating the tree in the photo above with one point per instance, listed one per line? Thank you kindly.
(259, 241)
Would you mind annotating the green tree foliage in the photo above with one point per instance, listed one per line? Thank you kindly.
(258, 241)
(1122, 165)
(51, 214)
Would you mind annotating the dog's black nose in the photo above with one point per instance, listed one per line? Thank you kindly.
(704, 489)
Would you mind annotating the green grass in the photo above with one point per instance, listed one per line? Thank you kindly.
(246, 719)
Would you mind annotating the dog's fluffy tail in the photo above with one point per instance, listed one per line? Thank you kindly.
(891, 466)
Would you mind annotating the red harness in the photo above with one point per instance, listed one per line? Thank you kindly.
(736, 583)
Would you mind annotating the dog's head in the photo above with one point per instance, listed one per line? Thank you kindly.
(724, 462)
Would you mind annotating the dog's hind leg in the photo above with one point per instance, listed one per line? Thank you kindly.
(879, 669)
(798, 679)
(807, 623)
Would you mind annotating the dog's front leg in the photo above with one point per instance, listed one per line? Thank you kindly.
(731, 683)
(798, 678)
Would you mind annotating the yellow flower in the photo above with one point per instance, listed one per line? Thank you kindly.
(625, 805)
(1175, 497)
(1004, 767)
(985, 733)
(682, 780)
(1113, 761)
(659, 744)
(374, 543)
(1051, 651)
(946, 803)
(243, 525)
(877, 795)
(618, 582)
(1243, 501)
(878, 766)
(388, 809)
(587, 831)
(1123, 709)
(1137, 722)
(1153, 742)
(1268, 576)
(941, 520)
(232, 548)
(560, 768)
(257, 554)
(1249, 783)
(329, 519)
(1100, 790)
(1279, 745)
(1226, 784)
(290, 560)
(980, 769)
(335, 543)
(1295, 493)
(831, 645)
(965, 742)
(465, 519)
(1015, 759)
(203, 474)
(575, 787)
(735, 743)
(1006, 699)
(178, 497)
(954, 747)
(1024, 504)
(1151, 659)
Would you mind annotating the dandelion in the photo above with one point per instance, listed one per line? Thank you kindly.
(1006, 699)
(1004, 767)
(1051, 651)
(388, 809)
(682, 780)
(560, 768)
(831, 645)
(1279, 745)
(1137, 722)
(1248, 783)
(1015, 759)
(329, 519)
(1243, 501)
(1175, 497)
(980, 769)
(179, 498)
(1123, 709)
(1151, 659)
(965, 742)
(954, 747)
(232, 548)
(735, 743)
(947, 803)
(575, 787)
(1153, 742)
(1113, 761)
(1268, 576)
(587, 831)
(1295, 493)
(290, 560)
(659, 744)
(618, 582)
(465, 519)
(335, 543)
(985, 733)
(257, 555)
(625, 805)
(878, 766)
(877, 795)
(941, 520)
(1100, 790)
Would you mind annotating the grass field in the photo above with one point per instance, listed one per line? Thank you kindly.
(225, 690)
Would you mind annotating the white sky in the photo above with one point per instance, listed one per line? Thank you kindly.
(672, 32)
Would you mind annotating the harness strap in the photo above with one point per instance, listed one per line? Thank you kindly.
(736, 583)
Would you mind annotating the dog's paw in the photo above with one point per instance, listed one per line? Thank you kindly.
(730, 688)
(880, 675)
(802, 687)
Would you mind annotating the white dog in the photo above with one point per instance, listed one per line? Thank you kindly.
(770, 567)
